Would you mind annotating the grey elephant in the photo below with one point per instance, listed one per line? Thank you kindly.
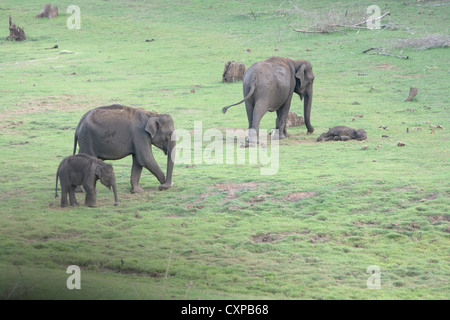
(343, 133)
(116, 131)
(85, 170)
(269, 86)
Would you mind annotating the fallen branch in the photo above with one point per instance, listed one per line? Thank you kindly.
(309, 31)
(332, 27)
(375, 19)
(383, 52)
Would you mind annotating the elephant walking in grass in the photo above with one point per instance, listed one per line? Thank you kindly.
(85, 170)
(116, 131)
(269, 86)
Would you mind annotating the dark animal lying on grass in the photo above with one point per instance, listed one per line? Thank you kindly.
(343, 133)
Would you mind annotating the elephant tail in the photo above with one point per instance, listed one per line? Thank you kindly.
(75, 140)
(252, 90)
(56, 187)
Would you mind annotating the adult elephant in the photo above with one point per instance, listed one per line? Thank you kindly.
(269, 85)
(116, 131)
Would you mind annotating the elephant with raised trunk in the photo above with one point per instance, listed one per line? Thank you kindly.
(85, 170)
(116, 131)
(269, 85)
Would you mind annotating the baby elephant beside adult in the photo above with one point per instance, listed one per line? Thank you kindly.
(116, 131)
(85, 170)
(343, 133)
(269, 86)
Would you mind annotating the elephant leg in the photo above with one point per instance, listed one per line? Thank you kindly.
(249, 107)
(136, 171)
(91, 197)
(148, 162)
(253, 132)
(63, 196)
(153, 167)
(282, 115)
(72, 199)
(325, 137)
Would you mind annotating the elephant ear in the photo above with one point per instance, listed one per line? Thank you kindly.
(152, 126)
(300, 74)
(98, 170)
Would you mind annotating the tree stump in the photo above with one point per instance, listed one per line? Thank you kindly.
(15, 32)
(412, 93)
(48, 12)
(233, 72)
(294, 120)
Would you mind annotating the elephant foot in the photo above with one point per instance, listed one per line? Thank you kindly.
(136, 189)
(277, 136)
(248, 144)
(116, 203)
(92, 205)
(165, 186)
(75, 204)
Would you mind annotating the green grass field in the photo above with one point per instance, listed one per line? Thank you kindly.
(224, 231)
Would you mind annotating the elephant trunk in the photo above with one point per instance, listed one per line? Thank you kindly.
(170, 162)
(116, 199)
(307, 109)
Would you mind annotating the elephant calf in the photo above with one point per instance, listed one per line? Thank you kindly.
(85, 170)
(343, 133)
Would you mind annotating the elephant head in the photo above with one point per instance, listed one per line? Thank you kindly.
(304, 78)
(161, 128)
(360, 134)
(105, 173)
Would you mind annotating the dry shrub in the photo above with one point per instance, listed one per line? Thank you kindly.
(324, 22)
(433, 41)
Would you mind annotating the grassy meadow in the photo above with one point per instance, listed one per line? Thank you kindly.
(224, 231)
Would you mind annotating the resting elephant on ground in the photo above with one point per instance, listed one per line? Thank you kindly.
(342, 133)
(85, 170)
(269, 85)
(116, 131)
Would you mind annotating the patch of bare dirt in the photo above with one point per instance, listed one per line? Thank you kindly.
(61, 102)
(257, 199)
(430, 197)
(296, 196)
(438, 218)
(197, 203)
(363, 223)
(9, 126)
(402, 189)
(271, 237)
(295, 139)
(408, 75)
(385, 66)
(319, 238)
(413, 226)
(263, 238)
(232, 188)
